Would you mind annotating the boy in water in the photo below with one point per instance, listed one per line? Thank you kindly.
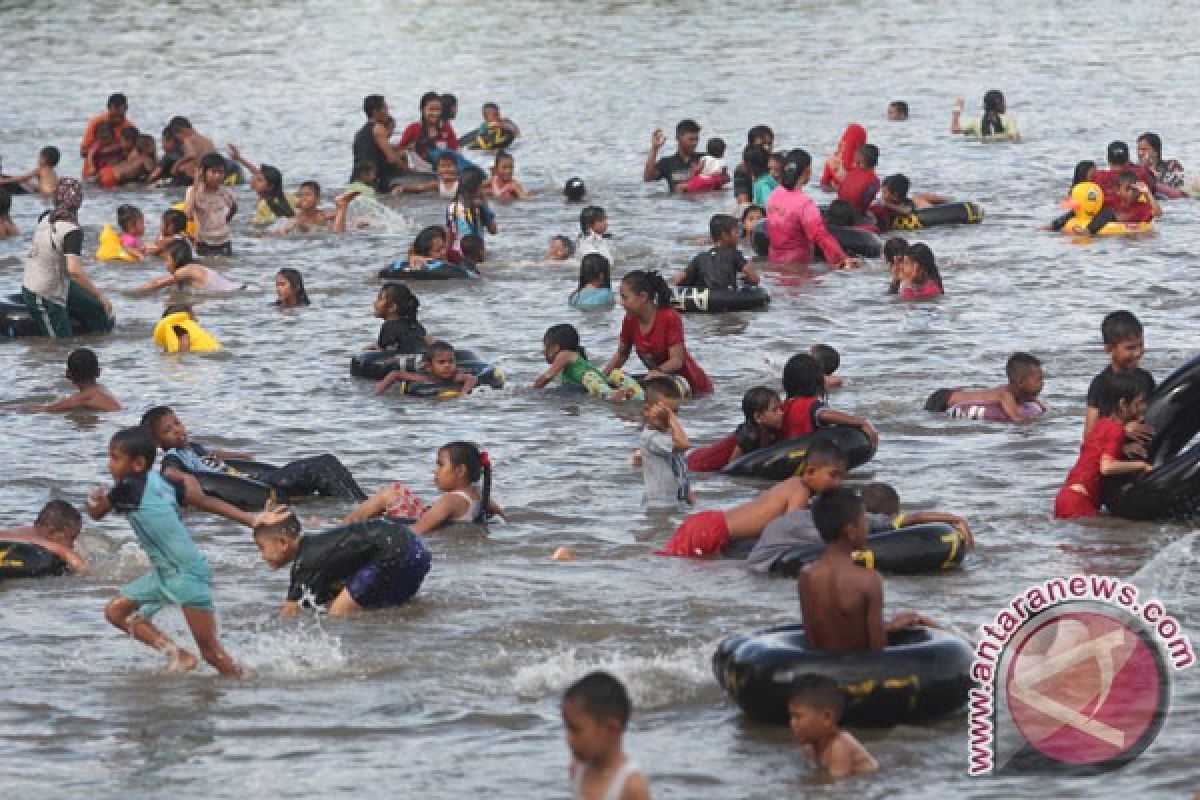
(706, 533)
(595, 712)
(43, 179)
(360, 567)
(212, 205)
(719, 266)
(439, 366)
(815, 715)
(841, 602)
(1025, 383)
(1134, 202)
(179, 574)
(323, 475)
(895, 202)
(83, 370)
(193, 146)
(897, 111)
(664, 444)
(861, 184)
(56, 528)
(1125, 343)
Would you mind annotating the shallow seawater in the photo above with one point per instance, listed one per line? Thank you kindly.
(457, 695)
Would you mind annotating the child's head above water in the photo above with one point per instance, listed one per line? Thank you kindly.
(894, 188)
(803, 377)
(1084, 171)
(643, 289)
(595, 710)
(825, 466)
(177, 253)
(174, 222)
(723, 229)
(756, 160)
(762, 408)
(925, 266)
(431, 243)
(751, 214)
(595, 271)
(491, 112)
(840, 213)
(440, 361)
(363, 172)
(130, 220)
(715, 147)
(279, 542)
(48, 156)
(867, 157)
(593, 219)
(815, 707)
(59, 520)
(396, 301)
(308, 195)
(473, 249)
(897, 111)
(839, 515)
(1124, 339)
(561, 337)
(880, 498)
(1123, 396)
(894, 248)
(561, 248)
(1025, 378)
(446, 168)
(146, 146)
(104, 132)
(130, 452)
(665, 390)
(82, 366)
(827, 356)
(470, 185)
(129, 137)
(164, 427)
(504, 165)
(289, 287)
(462, 464)
(797, 169)
(574, 190)
(212, 168)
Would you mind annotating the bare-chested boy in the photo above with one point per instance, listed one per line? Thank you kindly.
(195, 147)
(83, 369)
(57, 526)
(43, 179)
(1025, 382)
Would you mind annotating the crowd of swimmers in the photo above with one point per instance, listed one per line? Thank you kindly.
(376, 557)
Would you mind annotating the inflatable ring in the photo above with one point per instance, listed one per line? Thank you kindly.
(923, 673)
(713, 301)
(945, 214)
(433, 271)
(488, 139)
(911, 550)
(1087, 200)
(190, 230)
(785, 459)
(376, 364)
(110, 248)
(854, 241)
(199, 340)
(1172, 489)
(993, 412)
(28, 560)
(243, 486)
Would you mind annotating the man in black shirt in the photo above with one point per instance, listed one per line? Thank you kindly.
(675, 169)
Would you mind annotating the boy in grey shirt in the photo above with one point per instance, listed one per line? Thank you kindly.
(663, 445)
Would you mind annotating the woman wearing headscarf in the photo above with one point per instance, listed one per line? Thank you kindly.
(54, 277)
(842, 160)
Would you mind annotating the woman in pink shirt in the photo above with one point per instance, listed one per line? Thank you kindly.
(794, 222)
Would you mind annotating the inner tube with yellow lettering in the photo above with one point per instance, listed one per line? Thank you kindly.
(485, 138)
(168, 338)
(922, 674)
(376, 364)
(945, 214)
(28, 560)
(1172, 489)
(690, 299)
(911, 550)
(785, 459)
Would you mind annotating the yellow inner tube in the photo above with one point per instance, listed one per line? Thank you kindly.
(199, 340)
(110, 248)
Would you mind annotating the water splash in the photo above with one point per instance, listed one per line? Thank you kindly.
(653, 681)
(305, 649)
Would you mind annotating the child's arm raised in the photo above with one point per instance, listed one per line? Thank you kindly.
(560, 362)
(237, 156)
(341, 203)
(679, 437)
(829, 416)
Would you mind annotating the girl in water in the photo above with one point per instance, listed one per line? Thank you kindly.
(842, 160)
(994, 126)
(469, 214)
(762, 427)
(267, 182)
(919, 275)
(431, 136)
(132, 224)
(187, 273)
(751, 216)
(503, 186)
(428, 249)
(172, 227)
(595, 284)
(593, 234)
(804, 410)
(1168, 175)
(460, 467)
(289, 288)
(397, 306)
(655, 331)
(567, 358)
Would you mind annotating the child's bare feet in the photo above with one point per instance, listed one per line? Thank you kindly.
(180, 660)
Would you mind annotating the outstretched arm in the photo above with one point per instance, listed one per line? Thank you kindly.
(559, 363)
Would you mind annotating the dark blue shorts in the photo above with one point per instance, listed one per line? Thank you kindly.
(387, 584)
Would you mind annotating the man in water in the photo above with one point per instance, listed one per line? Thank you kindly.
(677, 168)
(372, 146)
(114, 116)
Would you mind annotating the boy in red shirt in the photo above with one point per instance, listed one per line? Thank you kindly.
(861, 184)
(1134, 202)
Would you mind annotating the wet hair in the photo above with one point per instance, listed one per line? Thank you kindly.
(923, 256)
(565, 337)
(372, 103)
(840, 213)
(212, 161)
(130, 133)
(1127, 178)
(721, 224)
(492, 106)
(602, 697)
(316, 187)
(438, 347)
(502, 155)
(147, 146)
(589, 217)
(175, 220)
(756, 160)
(168, 133)
(1116, 387)
(686, 126)
(752, 207)
(472, 249)
(897, 184)
(446, 158)
(296, 281)
(794, 165)
(574, 190)
(361, 169)
(471, 182)
(402, 297)
(825, 453)
(880, 498)
(423, 244)
(1081, 172)
(449, 105)
(117, 100)
(750, 434)
(82, 364)
(428, 98)
(870, 155)
(1119, 326)
(715, 147)
(1155, 143)
(818, 692)
(178, 124)
(275, 198)
(650, 283)
(155, 415)
(50, 155)
(993, 107)
(177, 308)
(591, 267)
(901, 106)
(662, 387)
(289, 528)
(759, 132)
(1019, 365)
(59, 515)
(803, 377)
(127, 215)
(135, 443)
(5, 202)
(566, 242)
(834, 509)
(827, 356)
(180, 252)
(468, 454)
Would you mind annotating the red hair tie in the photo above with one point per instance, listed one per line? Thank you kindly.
(485, 460)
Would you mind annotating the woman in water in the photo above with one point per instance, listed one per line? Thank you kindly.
(995, 125)
(1167, 174)
(794, 223)
(289, 289)
(842, 160)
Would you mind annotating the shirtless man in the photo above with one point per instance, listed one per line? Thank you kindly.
(1025, 382)
(842, 603)
(83, 368)
(55, 529)
(195, 146)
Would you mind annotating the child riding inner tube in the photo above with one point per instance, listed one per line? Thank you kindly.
(911, 550)
(399, 270)
(376, 364)
(28, 560)
(1087, 201)
(166, 334)
(854, 241)
(692, 299)
(785, 459)
(1172, 489)
(921, 674)
(944, 214)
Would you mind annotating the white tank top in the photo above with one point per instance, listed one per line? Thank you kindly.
(472, 507)
(614, 786)
(216, 282)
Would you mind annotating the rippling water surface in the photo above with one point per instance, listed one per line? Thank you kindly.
(457, 695)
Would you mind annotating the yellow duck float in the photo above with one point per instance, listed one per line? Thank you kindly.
(110, 247)
(1087, 200)
(166, 334)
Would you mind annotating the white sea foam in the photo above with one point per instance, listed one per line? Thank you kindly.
(652, 680)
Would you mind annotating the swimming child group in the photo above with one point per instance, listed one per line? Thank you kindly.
(804, 520)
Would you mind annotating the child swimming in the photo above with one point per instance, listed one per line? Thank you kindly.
(1017, 399)
(595, 284)
(83, 370)
(438, 366)
(186, 273)
(132, 225)
(310, 217)
(593, 234)
(469, 214)
(397, 306)
(212, 205)
(595, 711)
(42, 179)
(815, 708)
(920, 278)
(55, 529)
(804, 410)
(503, 186)
(561, 248)
(763, 422)
(289, 289)
(568, 360)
